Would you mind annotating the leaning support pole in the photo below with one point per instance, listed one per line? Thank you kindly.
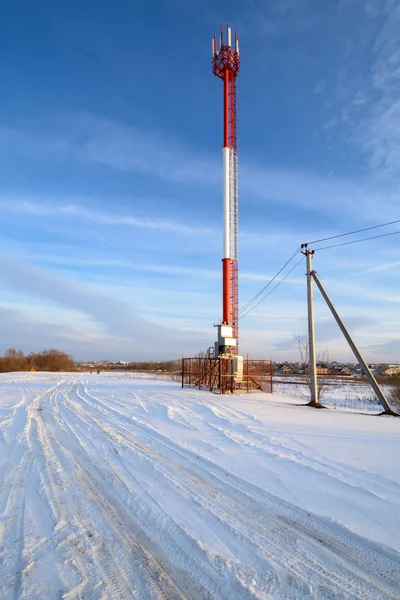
(311, 333)
(375, 386)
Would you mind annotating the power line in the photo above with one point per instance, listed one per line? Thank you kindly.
(333, 237)
(269, 283)
(374, 237)
(249, 306)
(273, 289)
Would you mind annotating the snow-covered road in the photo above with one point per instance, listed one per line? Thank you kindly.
(116, 487)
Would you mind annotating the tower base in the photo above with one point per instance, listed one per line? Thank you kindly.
(226, 343)
(227, 373)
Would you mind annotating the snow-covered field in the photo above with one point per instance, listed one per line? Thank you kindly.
(350, 394)
(118, 487)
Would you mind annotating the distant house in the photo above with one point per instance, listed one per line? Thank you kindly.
(391, 370)
(345, 371)
(356, 370)
(386, 369)
(322, 370)
(286, 370)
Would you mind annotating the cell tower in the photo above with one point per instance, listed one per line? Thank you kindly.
(222, 369)
(225, 65)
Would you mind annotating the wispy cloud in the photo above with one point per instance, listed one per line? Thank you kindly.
(112, 216)
(93, 140)
(117, 318)
(390, 350)
(110, 143)
(74, 211)
(23, 330)
(376, 130)
(326, 195)
(145, 266)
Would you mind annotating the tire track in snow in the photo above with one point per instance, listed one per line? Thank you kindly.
(159, 580)
(57, 485)
(352, 571)
(241, 433)
(12, 531)
(346, 477)
(191, 493)
(86, 547)
(83, 448)
(182, 551)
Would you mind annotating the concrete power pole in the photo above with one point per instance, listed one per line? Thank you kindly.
(311, 332)
(367, 372)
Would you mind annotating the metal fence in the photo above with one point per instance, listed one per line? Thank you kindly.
(218, 375)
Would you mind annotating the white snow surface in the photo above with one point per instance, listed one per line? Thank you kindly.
(115, 486)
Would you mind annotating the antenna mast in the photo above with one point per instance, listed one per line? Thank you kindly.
(225, 65)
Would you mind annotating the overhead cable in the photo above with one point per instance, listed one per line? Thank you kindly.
(246, 306)
(333, 237)
(273, 289)
(249, 306)
(374, 237)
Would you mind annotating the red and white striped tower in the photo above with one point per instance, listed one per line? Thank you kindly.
(225, 65)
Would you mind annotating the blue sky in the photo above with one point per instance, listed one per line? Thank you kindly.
(110, 187)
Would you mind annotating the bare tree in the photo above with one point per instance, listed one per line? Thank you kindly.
(13, 360)
(51, 360)
(323, 375)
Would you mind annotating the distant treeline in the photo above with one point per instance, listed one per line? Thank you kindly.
(47, 360)
(168, 366)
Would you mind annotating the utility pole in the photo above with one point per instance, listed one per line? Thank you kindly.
(375, 386)
(311, 332)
